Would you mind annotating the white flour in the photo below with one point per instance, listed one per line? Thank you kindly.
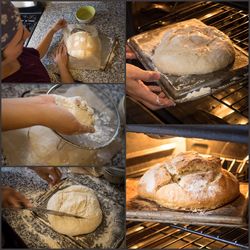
(201, 92)
(103, 132)
(197, 185)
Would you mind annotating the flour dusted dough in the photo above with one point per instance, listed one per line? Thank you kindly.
(189, 181)
(78, 107)
(82, 45)
(191, 47)
(78, 200)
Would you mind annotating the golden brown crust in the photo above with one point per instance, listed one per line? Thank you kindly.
(196, 188)
(188, 162)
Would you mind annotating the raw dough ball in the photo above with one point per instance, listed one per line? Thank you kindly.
(78, 200)
(191, 47)
(81, 45)
(78, 107)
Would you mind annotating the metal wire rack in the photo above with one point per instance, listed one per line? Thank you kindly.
(158, 235)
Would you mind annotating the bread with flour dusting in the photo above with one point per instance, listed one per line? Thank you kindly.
(192, 47)
(189, 181)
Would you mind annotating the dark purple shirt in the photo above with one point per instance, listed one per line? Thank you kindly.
(32, 69)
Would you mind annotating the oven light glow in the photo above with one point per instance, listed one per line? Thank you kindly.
(157, 149)
(134, 247)
(139, 228)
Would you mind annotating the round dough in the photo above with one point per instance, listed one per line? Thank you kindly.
(191, 47)
(189, 181)
(81, 45)
(78, 200)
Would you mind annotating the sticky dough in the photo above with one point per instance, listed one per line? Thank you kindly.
(78, 107)
(81, 45)
(191, 47)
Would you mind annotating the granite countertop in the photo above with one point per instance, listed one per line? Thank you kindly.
(109, 19)
(30, 228)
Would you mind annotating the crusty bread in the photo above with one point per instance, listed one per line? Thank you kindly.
(189, 181)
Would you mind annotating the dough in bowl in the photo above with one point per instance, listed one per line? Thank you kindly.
(82, 45)
(189, 181)
(191, 47)
(78, 200)
(78, 107)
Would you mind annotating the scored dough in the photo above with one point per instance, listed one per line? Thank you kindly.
(82, 45)
(78, 107)
(78, 200)
(191, 47)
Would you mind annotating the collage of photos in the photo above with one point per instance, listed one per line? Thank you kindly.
(124, 124)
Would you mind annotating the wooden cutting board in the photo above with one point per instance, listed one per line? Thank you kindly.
(233, 214)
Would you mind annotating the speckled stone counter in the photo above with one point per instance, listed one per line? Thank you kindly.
(36, 234)
(109, 19)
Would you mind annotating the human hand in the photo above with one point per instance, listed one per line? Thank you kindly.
(61, 23)
(61, 56)
(12, 198)
(50, 174)
(143, 93)
(129, 53)
(59, 118)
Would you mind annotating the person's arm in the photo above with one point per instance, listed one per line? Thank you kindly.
(12, 198)
(61, 59)
(45, 43)
(40, 110)
(20, 112)
(50, 174)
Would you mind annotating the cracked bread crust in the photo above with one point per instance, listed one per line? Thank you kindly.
(186, 182)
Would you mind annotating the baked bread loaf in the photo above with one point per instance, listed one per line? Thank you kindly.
(189, 181)
(192, 47)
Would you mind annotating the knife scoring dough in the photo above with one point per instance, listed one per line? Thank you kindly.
(78, 200)
(81, 45)
(191, 47)
(78, 107)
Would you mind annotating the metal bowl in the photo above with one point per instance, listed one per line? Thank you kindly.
(107, 119)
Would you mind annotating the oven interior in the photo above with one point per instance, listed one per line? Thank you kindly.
(229, 106)
(144, 150)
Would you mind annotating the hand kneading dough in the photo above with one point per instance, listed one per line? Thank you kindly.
(189, 181)
(81, 45)
(191, 47)
(78, 107)
(78, 200)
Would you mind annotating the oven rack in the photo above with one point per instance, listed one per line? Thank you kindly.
(159, 235)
